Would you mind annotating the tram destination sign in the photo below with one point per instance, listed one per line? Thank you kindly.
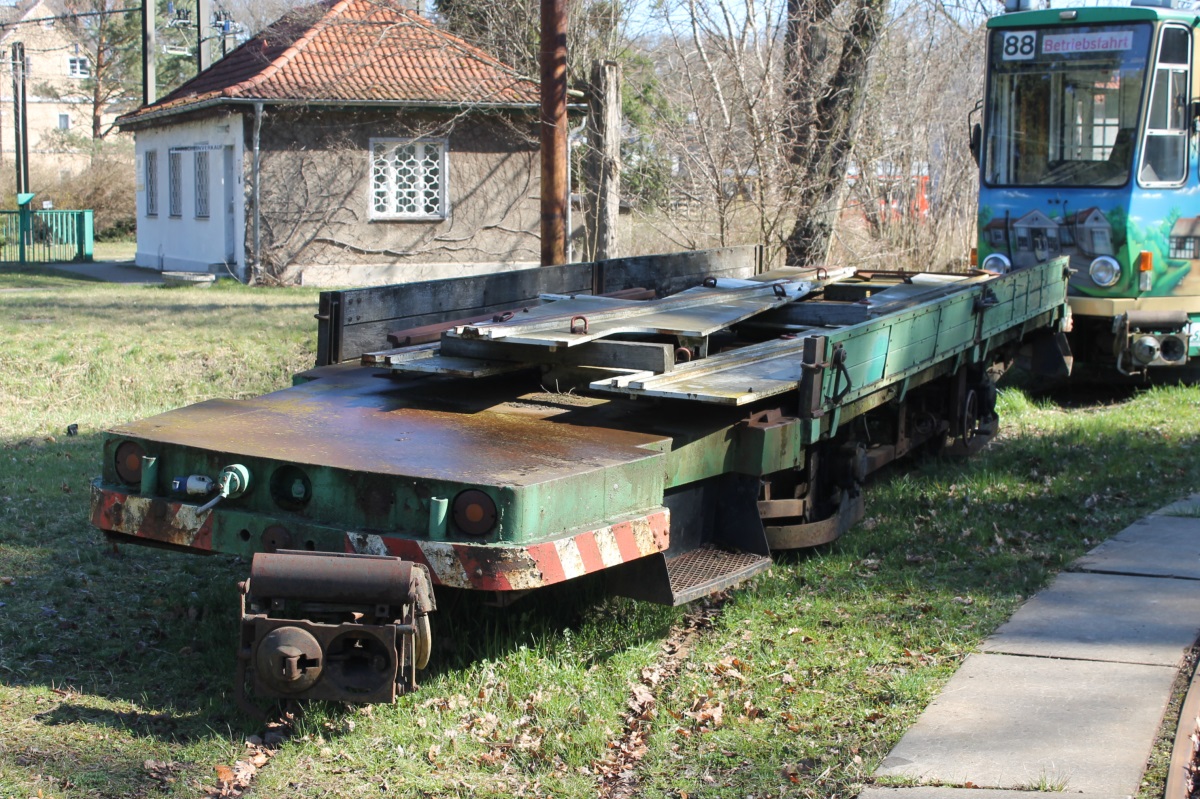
(1023, 45)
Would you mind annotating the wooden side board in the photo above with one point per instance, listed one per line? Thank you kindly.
(354, 321)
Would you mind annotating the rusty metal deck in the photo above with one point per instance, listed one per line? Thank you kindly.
(361, 420)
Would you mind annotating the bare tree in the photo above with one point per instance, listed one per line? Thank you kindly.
(108, 42)
(917, 183)
(510, 30)
(726, 127)
(828, 45)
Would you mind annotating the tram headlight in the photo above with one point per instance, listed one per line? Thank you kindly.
(996, 263)
(1105, 271)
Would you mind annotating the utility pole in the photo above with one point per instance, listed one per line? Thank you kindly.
(149, 52)
(203, 18)
(555, 190)
(20, 124)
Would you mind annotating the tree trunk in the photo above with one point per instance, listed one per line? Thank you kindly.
(603, 162)
(826, 114)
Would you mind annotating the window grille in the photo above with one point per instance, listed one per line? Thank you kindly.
(202, 184)
(175, 182)
(152, 183)
(1183, 247)
(408, 179)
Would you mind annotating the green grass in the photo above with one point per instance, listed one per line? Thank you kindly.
(114, 250)
(799, 683)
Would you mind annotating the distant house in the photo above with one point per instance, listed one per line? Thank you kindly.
(1035, 233)
(996, 232)
(1185, 239)
(349, 142)
(1091, 230)
(57, 70)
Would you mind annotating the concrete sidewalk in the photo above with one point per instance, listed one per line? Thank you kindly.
(1068, 695)
(110, 272)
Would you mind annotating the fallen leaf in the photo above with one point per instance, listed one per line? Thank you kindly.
(641, 700)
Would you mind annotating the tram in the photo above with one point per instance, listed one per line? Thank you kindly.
(1088, 149)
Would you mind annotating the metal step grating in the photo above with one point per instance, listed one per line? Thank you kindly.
(710, 568)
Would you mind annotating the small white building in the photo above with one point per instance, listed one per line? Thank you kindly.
(351, 142)
(191, 196)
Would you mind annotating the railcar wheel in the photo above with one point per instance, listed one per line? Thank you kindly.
(969, 422)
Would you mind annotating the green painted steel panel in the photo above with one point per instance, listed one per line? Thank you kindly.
(375, 451)
(1089, 16)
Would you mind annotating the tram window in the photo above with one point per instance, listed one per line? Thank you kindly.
(1174, 48)
(1164, 153)
(1066, 118)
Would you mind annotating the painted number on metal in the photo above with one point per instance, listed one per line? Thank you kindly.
(1194, 335)
(1018, 46)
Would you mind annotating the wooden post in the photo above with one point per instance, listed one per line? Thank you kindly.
(20, 122)
(603, 164)
(554, 132)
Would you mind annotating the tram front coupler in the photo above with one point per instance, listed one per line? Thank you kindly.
(339, 627)
(1151, 338)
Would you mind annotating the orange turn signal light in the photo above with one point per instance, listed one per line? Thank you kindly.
(1145, 261)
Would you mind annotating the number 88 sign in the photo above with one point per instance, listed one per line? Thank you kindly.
(1018, 46)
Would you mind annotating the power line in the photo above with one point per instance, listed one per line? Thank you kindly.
(15, 23)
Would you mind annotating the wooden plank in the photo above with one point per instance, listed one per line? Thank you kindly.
(398, 354)
(361, 318)
(674, 272)
(356, 321)
(459, 367)
(634, 355)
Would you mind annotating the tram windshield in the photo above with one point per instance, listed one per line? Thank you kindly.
(1063, 104)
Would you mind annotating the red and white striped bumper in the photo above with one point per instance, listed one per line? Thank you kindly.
(500, 567)
(482, 567)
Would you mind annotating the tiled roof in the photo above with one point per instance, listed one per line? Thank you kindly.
(356, 52)
(1186, 226)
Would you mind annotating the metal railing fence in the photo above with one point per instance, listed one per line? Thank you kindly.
(29, 236)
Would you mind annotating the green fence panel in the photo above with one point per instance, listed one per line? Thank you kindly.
(29, 236)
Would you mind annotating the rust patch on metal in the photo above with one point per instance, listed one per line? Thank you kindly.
(156, 519)
(374, 496)
(353, 421)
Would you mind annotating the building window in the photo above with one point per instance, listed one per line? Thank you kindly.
(152, 183)
(408, 179)
(78, 67)
(1183, 247)
(64, 121)
(202, 184)
(175, 182)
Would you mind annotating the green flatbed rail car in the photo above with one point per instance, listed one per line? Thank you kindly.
(670, 442)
